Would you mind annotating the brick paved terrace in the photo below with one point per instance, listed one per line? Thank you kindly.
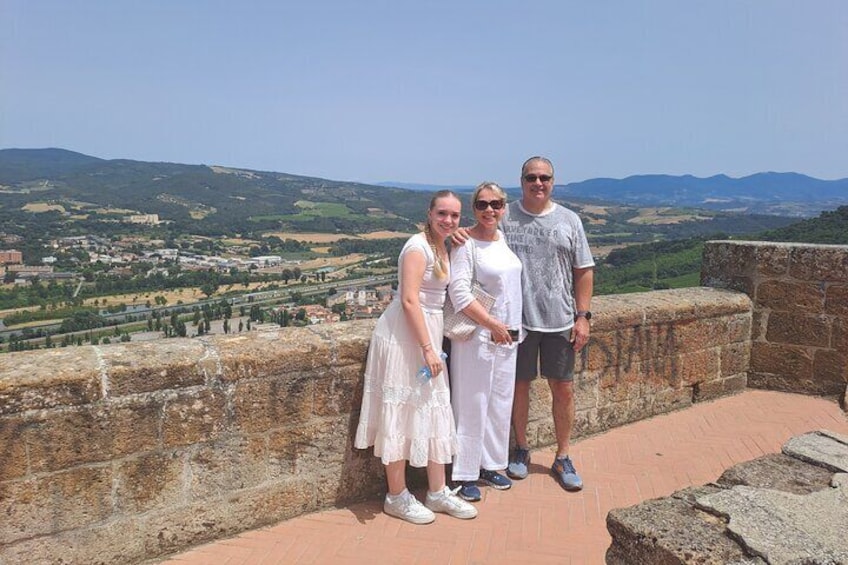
(133, 452)
(537, 521)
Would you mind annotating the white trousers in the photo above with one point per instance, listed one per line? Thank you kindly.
(482, 381)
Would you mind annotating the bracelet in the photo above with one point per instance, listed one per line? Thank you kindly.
(426, 345)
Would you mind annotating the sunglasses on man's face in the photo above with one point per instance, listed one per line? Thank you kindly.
(533, 178)
(483, 204)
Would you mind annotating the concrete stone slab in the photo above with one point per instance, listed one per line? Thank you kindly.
(777, 471)
(785, 528)
(823, 448)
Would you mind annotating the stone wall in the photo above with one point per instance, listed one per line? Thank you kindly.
(800, 297)
(125, 452)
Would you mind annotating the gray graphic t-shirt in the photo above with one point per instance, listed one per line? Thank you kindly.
(549, 245)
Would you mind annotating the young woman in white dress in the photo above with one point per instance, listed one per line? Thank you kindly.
(404, 419)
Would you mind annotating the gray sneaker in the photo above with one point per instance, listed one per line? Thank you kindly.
(563, 470)
(448, 502)
(518, 464)
(406, 507)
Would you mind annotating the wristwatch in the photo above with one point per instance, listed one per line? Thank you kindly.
(583, 314)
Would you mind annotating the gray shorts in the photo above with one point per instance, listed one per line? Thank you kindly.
(550, 354)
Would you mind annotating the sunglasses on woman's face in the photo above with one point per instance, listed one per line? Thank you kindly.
(483, 204)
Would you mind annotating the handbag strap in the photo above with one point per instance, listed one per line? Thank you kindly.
(473, 260)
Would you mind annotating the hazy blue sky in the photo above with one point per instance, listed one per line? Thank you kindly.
(438, 92)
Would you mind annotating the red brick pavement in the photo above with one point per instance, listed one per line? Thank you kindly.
(536, 521)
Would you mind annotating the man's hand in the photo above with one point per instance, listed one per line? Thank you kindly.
(459, 237)
(580, 333)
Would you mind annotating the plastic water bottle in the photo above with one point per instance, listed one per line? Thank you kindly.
(424, 373)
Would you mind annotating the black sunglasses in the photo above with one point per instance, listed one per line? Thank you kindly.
(483, 204)
(532, 178)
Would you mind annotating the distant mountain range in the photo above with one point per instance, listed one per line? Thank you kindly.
(202, 193)
(781, 194)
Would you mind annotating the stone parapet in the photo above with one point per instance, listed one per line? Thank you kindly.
(800, 306)
(782, 508)
(121, 453)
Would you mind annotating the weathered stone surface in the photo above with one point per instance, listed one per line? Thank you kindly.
(831, 370)
(786, 528)
(227, 466)
(34, 380)
(697, 366)
(836, 300)
(63, 501)
(260, 405)
(797, 328)
(14, 463)
(271, 354)
(669, 531)
(735, 358)
(59, 440)
(790, 296)
(777, 471)
(793, 362)
(823, 448)
(819, 262)
(132, 368)
(710, 390)
(194, 416)
(150, 481)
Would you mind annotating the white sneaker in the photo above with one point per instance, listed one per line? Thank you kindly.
(406, 507)
(448, 502)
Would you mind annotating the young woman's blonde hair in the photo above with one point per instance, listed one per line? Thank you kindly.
(440, 269)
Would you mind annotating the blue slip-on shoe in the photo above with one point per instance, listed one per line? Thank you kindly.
(468, 491)
(494, 479)
(518, 463)
(564, 472)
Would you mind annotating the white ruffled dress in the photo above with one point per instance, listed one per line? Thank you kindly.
(400, 417)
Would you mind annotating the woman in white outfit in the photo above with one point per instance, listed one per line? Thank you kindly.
(483, 367)
(404, 419)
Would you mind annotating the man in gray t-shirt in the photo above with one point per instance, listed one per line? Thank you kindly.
(557, 282)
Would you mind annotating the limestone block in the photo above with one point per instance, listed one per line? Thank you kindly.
(611, 313)
(735, 358)
(348, 341)
(227, 466)
(199, 522)
(339, 390)
(150, 481)
(306, 449)
(785, 528)
(823, 448)
(271, 354)
(796, 363)
(52, 503)
(831, 370)
(34, 380)
(777, 471)
(798, 329)
(772, 259)
(836, 301)
(819, 262)
(710, 390)
(839, 337)
(190, 417)
(697, 366)
(133, 368)
(14, 462)
(666, 401)
(263, 404)
(119, 544)
(723, 260)
(790, 296)
(669, 530)
(60, 439)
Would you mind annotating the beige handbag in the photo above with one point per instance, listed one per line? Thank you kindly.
(457, 325)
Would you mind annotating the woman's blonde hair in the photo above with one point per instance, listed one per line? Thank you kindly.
(493, 186)
(440, 269)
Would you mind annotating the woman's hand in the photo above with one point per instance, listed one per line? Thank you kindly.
(433, 361)
(499, 331)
